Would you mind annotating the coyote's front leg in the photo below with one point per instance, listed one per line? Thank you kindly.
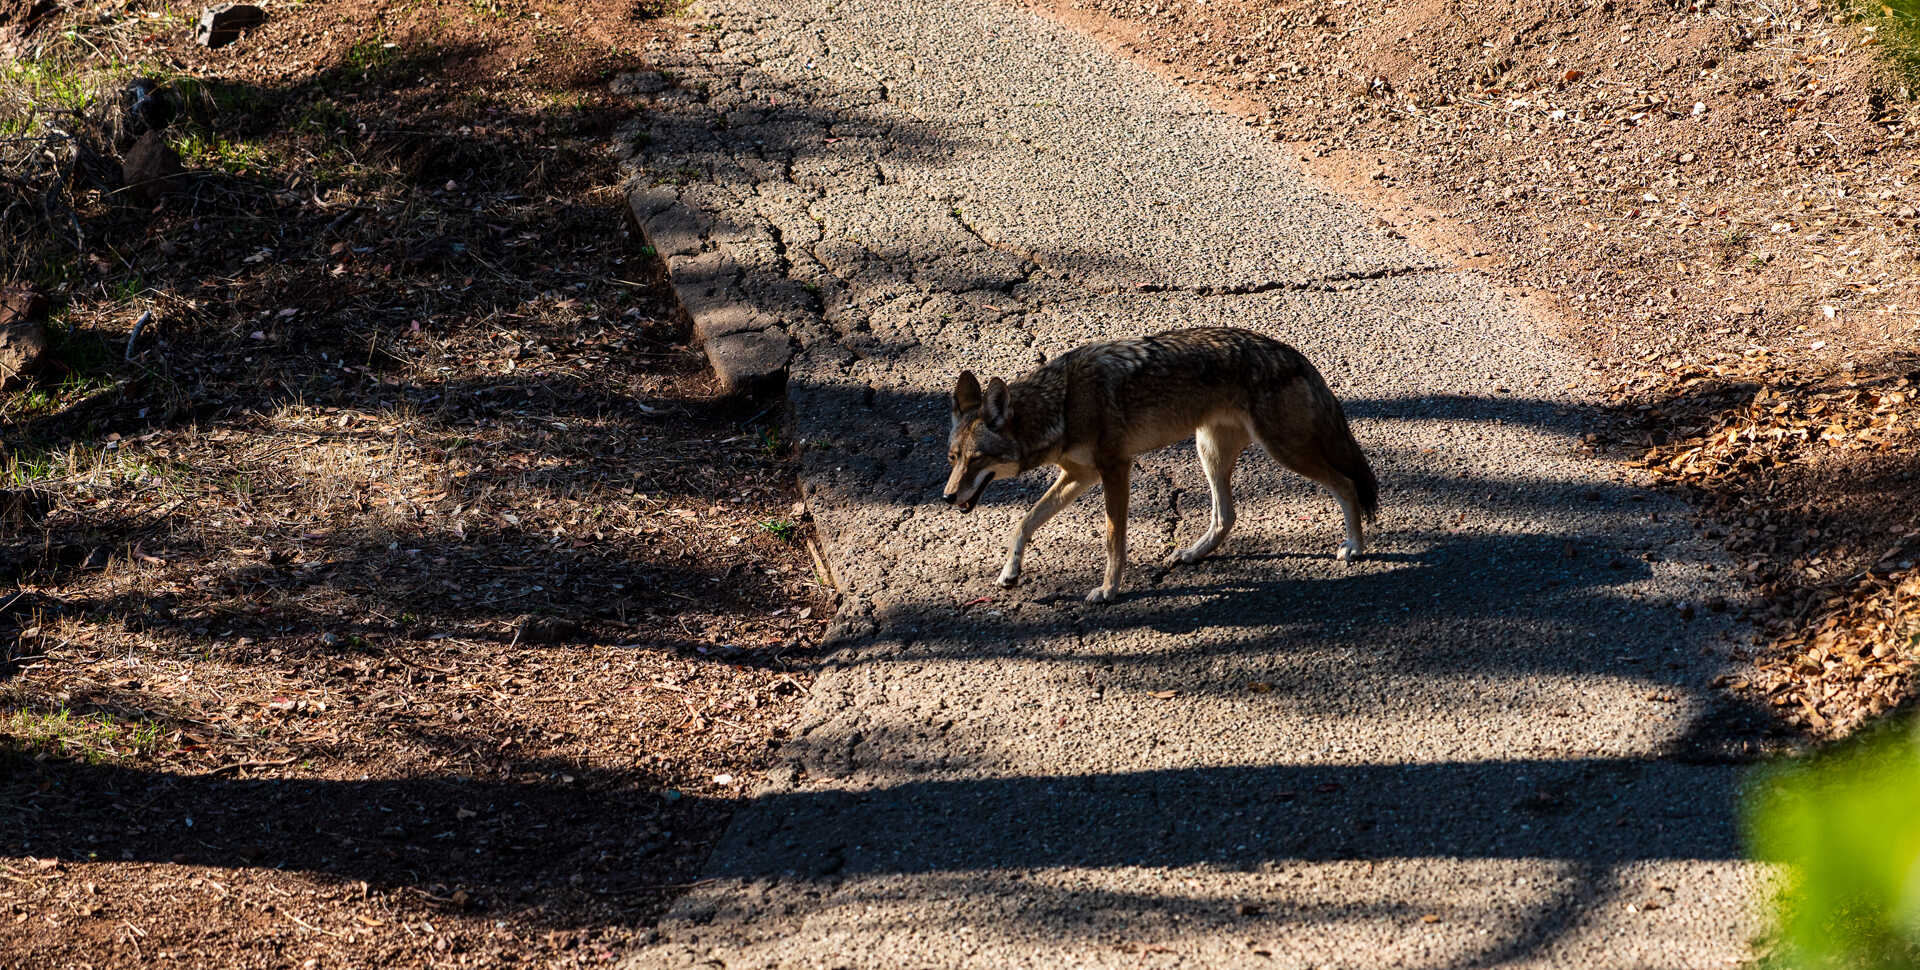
(1073, 481)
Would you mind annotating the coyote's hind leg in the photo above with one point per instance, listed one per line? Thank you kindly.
(1219, 446)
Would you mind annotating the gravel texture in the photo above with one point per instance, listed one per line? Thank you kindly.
(1492, 741)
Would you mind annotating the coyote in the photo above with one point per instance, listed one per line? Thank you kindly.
(1092, 409)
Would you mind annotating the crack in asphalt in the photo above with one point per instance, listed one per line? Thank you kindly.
(1331, 283)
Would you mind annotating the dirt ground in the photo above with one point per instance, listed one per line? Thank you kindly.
(407, 597)
(1717, 199)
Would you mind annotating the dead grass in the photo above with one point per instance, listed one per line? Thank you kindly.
(407, 551)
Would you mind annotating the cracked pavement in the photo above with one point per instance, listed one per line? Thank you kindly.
(1493, 741)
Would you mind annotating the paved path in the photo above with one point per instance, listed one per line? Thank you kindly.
(1476, 747)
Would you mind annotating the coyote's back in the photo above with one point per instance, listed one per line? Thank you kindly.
(1169, 385)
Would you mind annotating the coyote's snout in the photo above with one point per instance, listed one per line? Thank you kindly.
(1092, 409)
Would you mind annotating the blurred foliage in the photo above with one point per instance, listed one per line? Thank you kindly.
(1900, 30)
(1847, 822)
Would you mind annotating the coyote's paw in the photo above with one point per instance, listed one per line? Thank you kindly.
(1009, 577)
(1349, 551)
(1102, 594)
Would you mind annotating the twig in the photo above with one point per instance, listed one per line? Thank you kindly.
(314, 928)
(823, 567)
(342, 219)
(240, 765)
(134, 337)
(403, 658)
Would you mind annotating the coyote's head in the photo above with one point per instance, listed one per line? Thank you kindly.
(980, 448)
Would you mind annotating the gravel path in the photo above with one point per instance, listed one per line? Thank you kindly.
(1481, 745)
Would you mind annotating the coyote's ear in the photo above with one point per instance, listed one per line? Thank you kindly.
(966, 393)
(995, 410)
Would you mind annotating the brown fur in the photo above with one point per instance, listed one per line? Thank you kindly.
(1092, 409)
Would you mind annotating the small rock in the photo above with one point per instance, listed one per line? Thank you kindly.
(21, 304)
(23, 339)
(1686, 611)
(641, 82)
(222, 25)
(23, 348)
(151, 168)
(545, 629)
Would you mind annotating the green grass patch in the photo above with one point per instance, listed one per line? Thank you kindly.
(1896, 26)
(369, 58)
(37, 401)
(656, 9)
(90, 359)
(493, 10)
(92, 738)
(22, 468)
(324, 117)
(233, 156)
(49, 84)
(90, 465)
(205, 102)
(781, 529)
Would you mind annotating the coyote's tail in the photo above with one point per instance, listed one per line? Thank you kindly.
(1344, 454)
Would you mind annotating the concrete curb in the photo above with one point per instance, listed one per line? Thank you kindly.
(748, 348)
